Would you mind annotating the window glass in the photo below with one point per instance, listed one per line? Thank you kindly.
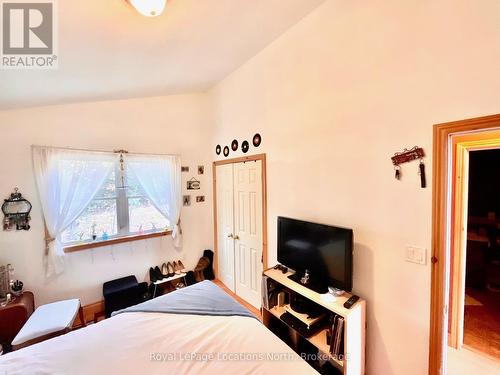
(134, 188)
(144, 216)
(98, 218)
(101, 216)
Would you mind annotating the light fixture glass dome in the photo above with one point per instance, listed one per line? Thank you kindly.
(149, 8)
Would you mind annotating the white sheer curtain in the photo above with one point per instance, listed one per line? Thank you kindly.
(67, 181)
(160, 177)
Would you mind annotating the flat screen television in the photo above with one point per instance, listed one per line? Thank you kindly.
(325, 251)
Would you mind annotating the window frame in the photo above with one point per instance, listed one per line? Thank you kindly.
(122, 220)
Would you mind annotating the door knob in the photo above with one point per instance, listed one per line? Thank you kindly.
(236, 237)
(230, 235)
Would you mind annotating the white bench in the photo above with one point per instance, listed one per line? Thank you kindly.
(48, 321)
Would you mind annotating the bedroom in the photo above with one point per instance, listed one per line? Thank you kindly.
(334, 89)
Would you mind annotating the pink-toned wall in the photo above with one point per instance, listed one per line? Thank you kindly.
(172, 125)
(334, 97)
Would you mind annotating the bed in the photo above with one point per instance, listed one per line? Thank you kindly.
(196, 330)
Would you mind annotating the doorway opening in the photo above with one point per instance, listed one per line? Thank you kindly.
(481, 323)
(460, 249)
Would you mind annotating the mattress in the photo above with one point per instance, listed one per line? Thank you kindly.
(160, 343)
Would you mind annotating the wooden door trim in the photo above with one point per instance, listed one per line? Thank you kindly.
(243, 159)
(440, 220)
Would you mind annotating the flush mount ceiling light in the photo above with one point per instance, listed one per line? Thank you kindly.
(149, 8)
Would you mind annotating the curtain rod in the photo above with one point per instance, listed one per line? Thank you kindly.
(116, 151)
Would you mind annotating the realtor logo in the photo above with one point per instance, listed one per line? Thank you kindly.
(28, 34)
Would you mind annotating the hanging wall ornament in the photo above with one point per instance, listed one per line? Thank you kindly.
(257, 139)
(245, 146)
(407, 156)
(226, 151)
(234, 145)
(217, 149)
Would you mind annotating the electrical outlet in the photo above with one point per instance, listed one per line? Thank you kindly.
(416, 254)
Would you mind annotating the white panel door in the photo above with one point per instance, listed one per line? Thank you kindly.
(225, 224)
(248, 230)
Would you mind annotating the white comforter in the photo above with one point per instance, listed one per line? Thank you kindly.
(156, 343)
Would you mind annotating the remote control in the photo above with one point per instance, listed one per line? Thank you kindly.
(351, 301)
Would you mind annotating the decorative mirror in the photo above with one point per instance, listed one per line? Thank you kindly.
(16, 212)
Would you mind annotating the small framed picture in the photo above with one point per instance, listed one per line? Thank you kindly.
(200, 198)
(201, 169)
(186, 200)
(193, 184)
(184, 169)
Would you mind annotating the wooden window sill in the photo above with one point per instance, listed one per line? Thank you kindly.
(114, 241)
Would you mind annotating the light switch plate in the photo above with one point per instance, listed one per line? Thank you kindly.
(416, 255)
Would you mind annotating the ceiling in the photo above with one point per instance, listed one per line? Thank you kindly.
(109, 51)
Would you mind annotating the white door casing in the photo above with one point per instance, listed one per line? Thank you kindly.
(225, 224)
(248, 234)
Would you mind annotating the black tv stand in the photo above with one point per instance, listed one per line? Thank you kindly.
(320, 288)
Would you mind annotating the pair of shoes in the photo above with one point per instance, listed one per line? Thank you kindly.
(179, 267)
(155, 274)
(167, 269)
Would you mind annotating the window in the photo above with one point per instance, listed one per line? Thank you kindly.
(119, 209)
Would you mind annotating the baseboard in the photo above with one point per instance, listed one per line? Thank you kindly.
(89, 312)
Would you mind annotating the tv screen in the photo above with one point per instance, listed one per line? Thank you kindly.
(325, 251)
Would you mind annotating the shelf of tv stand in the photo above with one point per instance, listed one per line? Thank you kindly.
(354, 320)
(325, 300)
(318, 339)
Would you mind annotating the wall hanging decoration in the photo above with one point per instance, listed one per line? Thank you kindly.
(193, 184)
(226, 151)
(245, 146)
(257, 139)
(200, 198)
(184, 169)
(122, 185)
(218, 149)
(234, 145)
(406, 156)
(201, 169)
(16, 212)
(186, 200)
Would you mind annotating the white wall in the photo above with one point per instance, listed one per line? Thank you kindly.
(174, 124)
(334, 98)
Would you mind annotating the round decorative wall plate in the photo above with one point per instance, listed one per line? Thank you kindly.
(234, 145)
(218, 149)
(226, 151)
(245, 146)
(257, 139)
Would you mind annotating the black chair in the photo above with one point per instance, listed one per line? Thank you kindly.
(121, 293)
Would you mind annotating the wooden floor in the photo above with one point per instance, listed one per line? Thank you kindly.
(250, 307)
(481, 322)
